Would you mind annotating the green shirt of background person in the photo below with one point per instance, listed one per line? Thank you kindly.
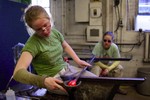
(107, 49)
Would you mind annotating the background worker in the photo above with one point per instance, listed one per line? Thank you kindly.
(107, 49)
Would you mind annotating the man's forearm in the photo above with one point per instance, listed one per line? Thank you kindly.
(26, 77)
(114, 65)
(101, 65)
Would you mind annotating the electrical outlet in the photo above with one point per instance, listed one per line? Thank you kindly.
(120, 23)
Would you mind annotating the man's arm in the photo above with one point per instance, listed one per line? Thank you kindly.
(101, 65)
(113, 65)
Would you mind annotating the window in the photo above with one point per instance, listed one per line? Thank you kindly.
(43, 3)
(138, 15)
(144, 7)
(142, 19)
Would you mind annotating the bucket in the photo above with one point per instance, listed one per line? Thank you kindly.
(144, 87)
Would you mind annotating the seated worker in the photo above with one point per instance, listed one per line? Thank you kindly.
(44, 50)
(107, 49)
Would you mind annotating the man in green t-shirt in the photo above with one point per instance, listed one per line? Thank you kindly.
(107, 49)
(44, 50)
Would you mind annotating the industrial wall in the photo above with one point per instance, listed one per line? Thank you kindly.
(75, 19)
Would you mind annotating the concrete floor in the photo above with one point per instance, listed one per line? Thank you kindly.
(132, 95)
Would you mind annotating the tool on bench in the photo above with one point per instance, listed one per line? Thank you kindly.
(74, 81)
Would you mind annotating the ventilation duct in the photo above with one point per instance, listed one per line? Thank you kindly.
(147, 47)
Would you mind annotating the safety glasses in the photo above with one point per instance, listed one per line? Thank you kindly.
(109, 41)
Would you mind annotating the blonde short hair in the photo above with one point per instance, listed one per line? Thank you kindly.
(32, 13)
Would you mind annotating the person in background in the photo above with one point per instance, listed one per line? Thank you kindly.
(107, 49)
(44, 50)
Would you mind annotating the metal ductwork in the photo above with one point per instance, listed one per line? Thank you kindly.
(147, 47)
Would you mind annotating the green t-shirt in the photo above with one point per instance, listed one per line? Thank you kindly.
(112, 52)
(47, 53)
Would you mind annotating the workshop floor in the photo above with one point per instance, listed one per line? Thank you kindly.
(131, 95)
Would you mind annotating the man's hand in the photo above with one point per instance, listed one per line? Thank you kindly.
(53, 84)
(83, 63)
(105, 72)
